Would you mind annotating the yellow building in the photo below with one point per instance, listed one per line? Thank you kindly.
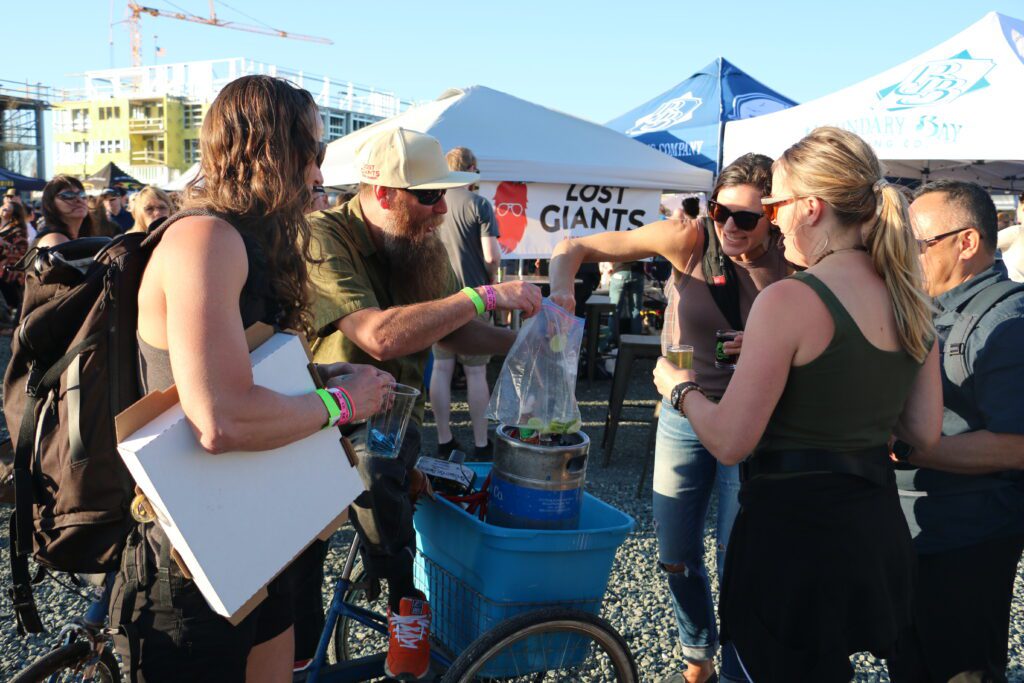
(147, 119)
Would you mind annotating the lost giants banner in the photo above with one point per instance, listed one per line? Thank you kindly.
(534, 217)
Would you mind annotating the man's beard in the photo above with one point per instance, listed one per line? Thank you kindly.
(419, 262)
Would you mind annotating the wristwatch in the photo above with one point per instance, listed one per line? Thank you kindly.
(902, 451)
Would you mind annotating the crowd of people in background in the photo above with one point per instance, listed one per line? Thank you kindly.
(847, 297)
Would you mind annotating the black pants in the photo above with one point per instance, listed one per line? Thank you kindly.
(168, 631)
(961, 614)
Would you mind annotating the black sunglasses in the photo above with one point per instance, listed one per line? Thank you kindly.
(744, 220)
(427, 197)
(71, 195)
(321, 154)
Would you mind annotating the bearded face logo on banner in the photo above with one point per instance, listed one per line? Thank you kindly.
(510, 208)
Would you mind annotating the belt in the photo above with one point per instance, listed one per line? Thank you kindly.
(872, 464)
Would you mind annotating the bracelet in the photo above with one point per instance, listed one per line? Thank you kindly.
(679, 394)
(347, 397)
(492, 298)
(475, 298)
(333, 411)
(343, 405)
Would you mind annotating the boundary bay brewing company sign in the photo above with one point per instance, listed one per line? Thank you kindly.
(534, 217)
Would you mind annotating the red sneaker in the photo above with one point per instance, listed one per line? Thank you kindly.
(409, 641)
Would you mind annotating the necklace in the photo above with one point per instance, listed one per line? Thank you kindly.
(828, 253)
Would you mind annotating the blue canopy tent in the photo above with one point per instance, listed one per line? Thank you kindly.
(687, 121)
(21, 183)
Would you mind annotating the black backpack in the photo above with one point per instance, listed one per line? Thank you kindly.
(968, 315)
(73, 368)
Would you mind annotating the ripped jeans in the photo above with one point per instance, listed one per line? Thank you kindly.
(685, 474)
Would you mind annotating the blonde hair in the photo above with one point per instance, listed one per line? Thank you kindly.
(139, 204)
(838, 167)
(460, 159)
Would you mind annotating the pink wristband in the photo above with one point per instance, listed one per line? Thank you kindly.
(491, 299)
(343, 405)
(351, 403)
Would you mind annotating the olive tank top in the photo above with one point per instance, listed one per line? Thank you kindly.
(849, 398)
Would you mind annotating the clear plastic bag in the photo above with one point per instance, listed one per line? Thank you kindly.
(537, 385)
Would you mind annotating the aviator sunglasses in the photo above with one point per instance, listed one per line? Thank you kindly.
(744, 220)
(427, 197)
(71, 195)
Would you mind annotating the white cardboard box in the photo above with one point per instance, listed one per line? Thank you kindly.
(237, 519)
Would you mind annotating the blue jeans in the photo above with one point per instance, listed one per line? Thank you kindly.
(626, 293)
(685, 473)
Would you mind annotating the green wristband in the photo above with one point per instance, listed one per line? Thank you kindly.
(333, 411)
(475, 298)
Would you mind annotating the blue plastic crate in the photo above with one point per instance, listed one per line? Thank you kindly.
(477, 575)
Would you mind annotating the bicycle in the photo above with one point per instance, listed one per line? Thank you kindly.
(573, 644)
(86, 652)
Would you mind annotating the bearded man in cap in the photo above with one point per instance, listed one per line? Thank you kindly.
(384, 292)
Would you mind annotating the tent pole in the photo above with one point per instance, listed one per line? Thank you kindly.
(721, 124)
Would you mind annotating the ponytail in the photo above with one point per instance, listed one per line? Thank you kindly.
(894, 254)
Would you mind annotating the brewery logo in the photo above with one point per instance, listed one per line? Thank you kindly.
(937, 82)
(370, 172)
(751, 104)
(510, 207)
(675, 111)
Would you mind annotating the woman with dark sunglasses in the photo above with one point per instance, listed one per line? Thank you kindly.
(65, 212)
(746, 252)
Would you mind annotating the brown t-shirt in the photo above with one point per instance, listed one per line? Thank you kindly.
(692, 316)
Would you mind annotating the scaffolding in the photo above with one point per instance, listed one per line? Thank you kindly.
(22, 139)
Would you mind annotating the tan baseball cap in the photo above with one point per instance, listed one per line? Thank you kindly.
(409, 160)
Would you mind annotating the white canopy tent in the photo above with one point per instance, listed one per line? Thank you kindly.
(952, 112)
(516, 140)
(179, 183)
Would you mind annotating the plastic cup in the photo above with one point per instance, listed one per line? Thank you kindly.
(386, 429)
(681, 356)
(724, 360)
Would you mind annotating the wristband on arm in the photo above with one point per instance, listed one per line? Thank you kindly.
(333, 411)
(492, 298)
(475, 298)
(345, 403)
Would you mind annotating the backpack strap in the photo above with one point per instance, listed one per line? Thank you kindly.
(39, 388)
(969, 314)
(720, 275)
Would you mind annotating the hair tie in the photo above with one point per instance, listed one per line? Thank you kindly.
(879, 185)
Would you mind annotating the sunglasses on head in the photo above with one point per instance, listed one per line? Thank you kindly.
(71, 195)
(744, 220)
(427, 197)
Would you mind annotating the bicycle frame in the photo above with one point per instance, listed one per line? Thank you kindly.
(92, 627)
(364, 668)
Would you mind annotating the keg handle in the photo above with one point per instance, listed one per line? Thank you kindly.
(576, 464)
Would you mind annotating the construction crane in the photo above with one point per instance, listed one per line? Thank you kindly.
(136, 11)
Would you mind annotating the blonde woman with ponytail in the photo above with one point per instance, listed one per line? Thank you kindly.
(836, 360)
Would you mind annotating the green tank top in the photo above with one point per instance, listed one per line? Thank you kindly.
(848, 398)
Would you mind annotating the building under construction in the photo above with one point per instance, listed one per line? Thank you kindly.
(146, 119)
(22, 138)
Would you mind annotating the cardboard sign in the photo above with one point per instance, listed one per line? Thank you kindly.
(237, 519)
(534, 217)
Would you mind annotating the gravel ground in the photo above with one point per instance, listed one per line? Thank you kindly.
(641, 613)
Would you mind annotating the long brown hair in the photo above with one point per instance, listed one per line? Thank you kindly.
(51, 214)
(841, 168)
(257, 142)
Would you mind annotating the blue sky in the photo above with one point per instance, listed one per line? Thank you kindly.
(593, 59)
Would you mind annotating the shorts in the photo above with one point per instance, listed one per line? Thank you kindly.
(466, 361)
(168, 632)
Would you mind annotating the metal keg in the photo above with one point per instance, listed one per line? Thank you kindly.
(537, 486)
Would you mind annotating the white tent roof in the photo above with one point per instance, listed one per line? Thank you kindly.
(953, 111)
(516, 140)
(179, 183)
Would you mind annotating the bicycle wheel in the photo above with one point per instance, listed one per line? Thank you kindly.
(352, 639)
(552, 644)
(67, 663)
